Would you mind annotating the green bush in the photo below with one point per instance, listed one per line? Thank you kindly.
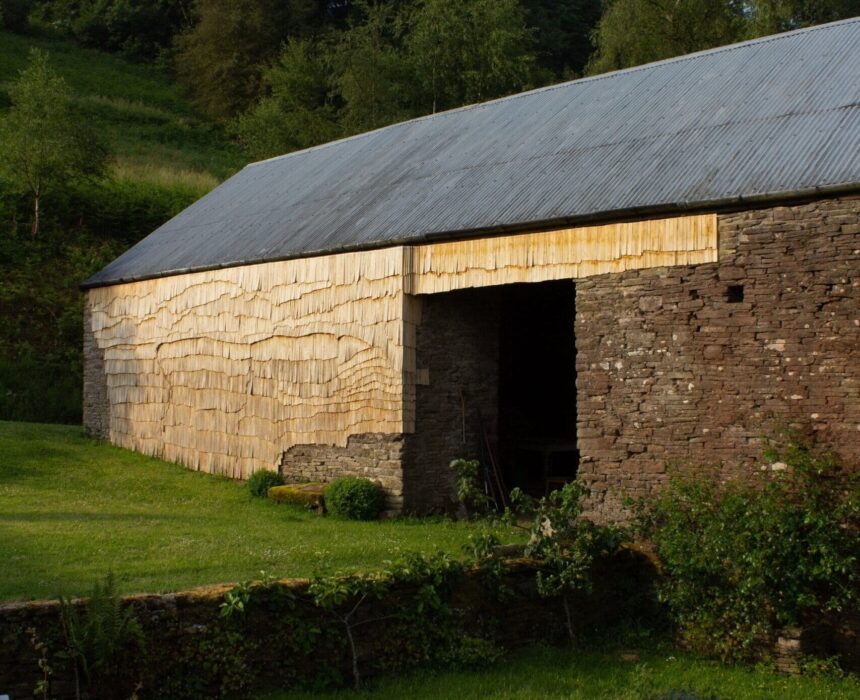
(354, 498)
(470, 491)
(261, 481)
(745, 558)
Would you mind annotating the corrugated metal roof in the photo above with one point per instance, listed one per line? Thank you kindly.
(764, 118)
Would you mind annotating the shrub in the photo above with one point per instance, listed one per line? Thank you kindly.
(470, 491)
(746, 558)
(566, 544)
(261, 481)
(354, 498)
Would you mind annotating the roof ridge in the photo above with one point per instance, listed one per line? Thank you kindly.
(556, 86)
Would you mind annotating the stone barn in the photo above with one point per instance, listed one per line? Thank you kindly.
(599, 278)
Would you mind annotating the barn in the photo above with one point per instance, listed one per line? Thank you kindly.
(599, 278)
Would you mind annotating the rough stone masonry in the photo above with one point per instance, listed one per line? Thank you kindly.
(697, 365)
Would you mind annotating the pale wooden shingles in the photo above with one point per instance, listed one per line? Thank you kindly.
(224, 370)
(562, 254)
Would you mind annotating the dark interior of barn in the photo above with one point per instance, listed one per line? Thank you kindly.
(537, 386)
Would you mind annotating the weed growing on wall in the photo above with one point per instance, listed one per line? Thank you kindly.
(470, 492)
(745, 558)
(99, 635)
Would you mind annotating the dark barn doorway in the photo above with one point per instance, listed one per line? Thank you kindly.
(537, 386)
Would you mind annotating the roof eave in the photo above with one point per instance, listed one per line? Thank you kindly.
(734, 202)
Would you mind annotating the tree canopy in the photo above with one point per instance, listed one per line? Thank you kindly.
(222, 54)
(389, 62)
(633, 32)
(43, 141)
(297, 112)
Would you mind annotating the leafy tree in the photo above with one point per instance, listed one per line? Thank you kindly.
(298, 112)
(773, 16)
(138, 29)
(221, 57)
(632, 32)
(563, 33)
(13, 15)
(470, 51)
(44, 141)
(371, 74)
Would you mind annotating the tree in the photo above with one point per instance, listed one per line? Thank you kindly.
(13, 15)
(298, 112)
(371, 74)
(633, 32)
(138, 29)
(43, 141)
(563, 33)
(222, 56)
(470, 51)
(772, 16)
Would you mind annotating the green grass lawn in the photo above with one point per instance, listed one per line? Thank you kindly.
(72, 509)
(582, 675)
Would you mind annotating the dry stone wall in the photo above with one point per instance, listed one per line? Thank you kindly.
(458, 361)
(374, 456)
(695, 364)
(282, 640)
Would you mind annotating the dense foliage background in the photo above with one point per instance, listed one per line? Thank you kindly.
(182, 93)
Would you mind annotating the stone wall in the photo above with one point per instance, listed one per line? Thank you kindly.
(282, 639)
(695, 364)
(458, 351)
(374, 456)
(96, 412)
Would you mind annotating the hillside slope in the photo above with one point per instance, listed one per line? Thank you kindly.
(150, 128)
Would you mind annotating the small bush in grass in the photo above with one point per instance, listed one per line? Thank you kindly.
(261, 481)
(744, 559)
(354, 498)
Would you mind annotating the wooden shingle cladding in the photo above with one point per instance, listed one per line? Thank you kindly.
(567, 253)
(222, 370)
(225, 370)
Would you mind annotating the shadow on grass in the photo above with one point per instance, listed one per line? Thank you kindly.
(84, 517)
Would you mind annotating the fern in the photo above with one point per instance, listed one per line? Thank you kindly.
(98, 632)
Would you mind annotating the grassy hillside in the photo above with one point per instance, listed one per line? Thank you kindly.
(163, 157)
(153, 132)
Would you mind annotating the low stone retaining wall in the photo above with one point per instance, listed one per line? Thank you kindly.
(282, 640)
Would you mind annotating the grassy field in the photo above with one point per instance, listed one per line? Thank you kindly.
(74, 509)
(151, 129)
(581, 675)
